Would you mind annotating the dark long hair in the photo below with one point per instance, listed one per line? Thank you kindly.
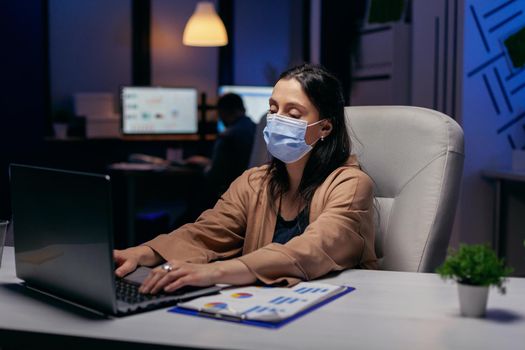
(325, 93)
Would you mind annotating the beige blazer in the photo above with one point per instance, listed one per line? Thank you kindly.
(242, 224)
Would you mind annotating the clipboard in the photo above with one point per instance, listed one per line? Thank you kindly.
(244, 318)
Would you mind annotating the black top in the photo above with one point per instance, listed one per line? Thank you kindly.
(286, 230)
(231, 154)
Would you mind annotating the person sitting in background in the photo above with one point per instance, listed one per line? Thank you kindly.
(231, 152)
(308, 212)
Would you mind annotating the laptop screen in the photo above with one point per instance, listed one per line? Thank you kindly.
(63, 233)
(63, 228)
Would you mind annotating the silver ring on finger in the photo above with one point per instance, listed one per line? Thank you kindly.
(167, 267)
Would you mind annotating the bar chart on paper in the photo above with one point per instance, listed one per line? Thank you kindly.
(271, 304)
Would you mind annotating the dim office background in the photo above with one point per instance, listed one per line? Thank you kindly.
(448, 55)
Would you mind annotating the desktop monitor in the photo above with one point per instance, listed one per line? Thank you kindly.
(255, 99)
(159, 110)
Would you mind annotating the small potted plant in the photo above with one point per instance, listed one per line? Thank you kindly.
(61, 119)
(475, 268)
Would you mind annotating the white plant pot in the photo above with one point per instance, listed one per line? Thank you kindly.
(472, 300)
(60, 130)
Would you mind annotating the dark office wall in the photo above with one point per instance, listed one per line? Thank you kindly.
(90, 47)
(340, 24)
(23, 96)
(174, 64)
(267, 39)
(492, 100)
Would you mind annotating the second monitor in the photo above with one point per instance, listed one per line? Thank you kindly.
(255, 99)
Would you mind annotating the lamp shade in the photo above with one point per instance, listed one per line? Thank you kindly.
(205, 27)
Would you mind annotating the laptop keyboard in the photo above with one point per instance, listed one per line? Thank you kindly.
(129, 293)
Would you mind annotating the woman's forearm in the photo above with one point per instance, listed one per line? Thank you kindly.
(234, 272)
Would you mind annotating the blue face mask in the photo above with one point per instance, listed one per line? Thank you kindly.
(284, 137)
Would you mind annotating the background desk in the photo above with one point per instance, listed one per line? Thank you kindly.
(156, 189)
(509, 216)
(388, 310)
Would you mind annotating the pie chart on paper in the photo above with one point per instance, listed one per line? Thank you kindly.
(216, 306)
(241, 295)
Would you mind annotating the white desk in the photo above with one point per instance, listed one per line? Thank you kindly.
(388, 310)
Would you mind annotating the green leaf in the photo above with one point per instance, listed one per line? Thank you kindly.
(383, 11)
(515, 45)
(476, 265)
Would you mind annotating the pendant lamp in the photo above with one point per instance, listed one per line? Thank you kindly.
(205, 27)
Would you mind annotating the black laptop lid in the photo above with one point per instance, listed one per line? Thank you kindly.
(63, 234)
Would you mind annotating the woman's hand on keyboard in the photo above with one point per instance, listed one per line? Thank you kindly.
(176, 274)
(127, 260)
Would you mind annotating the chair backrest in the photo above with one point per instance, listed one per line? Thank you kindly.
(415, 158)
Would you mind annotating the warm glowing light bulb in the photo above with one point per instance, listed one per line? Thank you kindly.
(205, 27)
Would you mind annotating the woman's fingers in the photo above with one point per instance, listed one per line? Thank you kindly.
(179, 283)
(126, 267)
(151, 280)
(181, 274)
(155, 275)
(125, 263)
(168, 278)
(118, 257)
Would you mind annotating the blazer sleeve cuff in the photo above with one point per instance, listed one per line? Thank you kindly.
(273, 267)
(180, 250)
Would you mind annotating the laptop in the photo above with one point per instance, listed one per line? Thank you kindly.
(63, 235)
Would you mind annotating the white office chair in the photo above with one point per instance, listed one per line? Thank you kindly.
(415, 157)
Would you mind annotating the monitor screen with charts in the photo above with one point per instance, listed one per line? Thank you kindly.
(255, 99)
(159, 111)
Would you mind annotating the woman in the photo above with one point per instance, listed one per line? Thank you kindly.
(305, 214)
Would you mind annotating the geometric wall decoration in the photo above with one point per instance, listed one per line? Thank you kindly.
(499, 26)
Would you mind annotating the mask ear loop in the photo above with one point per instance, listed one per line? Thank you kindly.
(320, 138)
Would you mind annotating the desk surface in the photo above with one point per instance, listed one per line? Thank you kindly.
(504, 174)
(388, 310)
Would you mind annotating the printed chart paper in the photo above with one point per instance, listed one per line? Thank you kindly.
(269, 304)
